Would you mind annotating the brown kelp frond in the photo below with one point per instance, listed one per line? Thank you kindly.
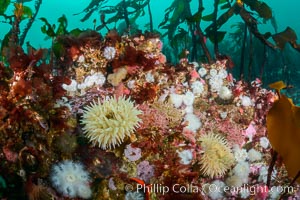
(283, 117)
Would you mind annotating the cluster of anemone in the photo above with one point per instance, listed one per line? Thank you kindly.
(94, 79)
(107, 124)
(217, 157)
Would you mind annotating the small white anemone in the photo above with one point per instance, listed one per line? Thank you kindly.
(97, 78)
(246, 101)
(242, 169)
(264, 142)
(213, 72)
(254, 155)
(215, 83)
(225, 93)
(149, 77)
(194, 122)
(202, 71)
(222, 73)
(186, 156)
(70, 179)
(197, 87)
(71, 87)
(176, 99)
(188, 98)
(240, 154)
(109, 53)
(218, 191)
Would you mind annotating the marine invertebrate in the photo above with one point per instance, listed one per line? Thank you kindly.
(264, 142)
(223, 115)
(244, 193)
(217, 157)
(202, 71)
(225, 93)
(213, 72)
(109, 53)
(188, 98)
(219, 193)
(149, 77)
(111, 184)
(107, 124)
(246, 101)
(254, 155)
(145, 171)
(72, 87)
(197, 87)
(134, 196)
(186, 156)
(222, 73)
(97, 78)
(176, 99)
(234, 181)
(215, 83)
(242, 169)
(70, 179)
(263, 174)
(117, 77)
(240, 154)
(132, 153)
(275, 192)
(194, 122)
